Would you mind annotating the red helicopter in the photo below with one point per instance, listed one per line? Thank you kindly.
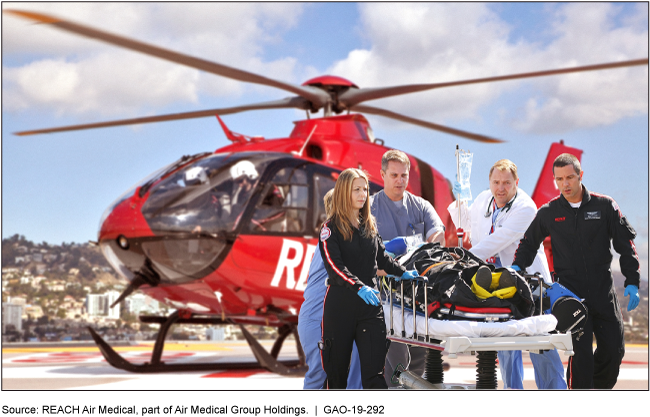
(226, 237)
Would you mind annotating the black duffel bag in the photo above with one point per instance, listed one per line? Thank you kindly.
(449, 272)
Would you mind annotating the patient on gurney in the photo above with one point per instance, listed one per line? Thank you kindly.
(465, 297)
(452, 275)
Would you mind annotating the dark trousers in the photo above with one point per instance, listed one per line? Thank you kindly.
(347, 319)
(589, 369)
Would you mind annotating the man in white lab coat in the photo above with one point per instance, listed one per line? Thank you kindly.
(495, 223)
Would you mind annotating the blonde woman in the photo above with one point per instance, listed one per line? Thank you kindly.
(311, 317)
(352, 251)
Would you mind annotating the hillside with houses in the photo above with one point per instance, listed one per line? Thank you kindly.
(47, 288)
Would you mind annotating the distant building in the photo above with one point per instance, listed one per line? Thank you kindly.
(17, 301)
(50, 257)
(36, 283)
(215, 333)
(33, 311)
(55, 286)
(112, 296)
(26, 280)
(142, 304)
(40, 268)
(12, 315)
(98, 305)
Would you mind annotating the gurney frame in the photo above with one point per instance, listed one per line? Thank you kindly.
(485, 349)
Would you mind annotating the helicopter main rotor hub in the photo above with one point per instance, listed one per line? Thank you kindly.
(334, 86)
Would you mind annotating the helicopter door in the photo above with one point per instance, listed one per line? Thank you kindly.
(275, 233)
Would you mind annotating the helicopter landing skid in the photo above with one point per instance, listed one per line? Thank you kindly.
(266, 360)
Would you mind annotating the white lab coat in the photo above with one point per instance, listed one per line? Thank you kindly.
(510, 228)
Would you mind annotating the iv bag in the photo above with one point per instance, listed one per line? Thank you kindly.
(465, 168)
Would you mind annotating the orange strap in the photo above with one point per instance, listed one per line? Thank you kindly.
(434, 265)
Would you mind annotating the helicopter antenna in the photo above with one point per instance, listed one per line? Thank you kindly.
(304, 145)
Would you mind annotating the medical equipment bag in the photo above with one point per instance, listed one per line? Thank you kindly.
(449, 294)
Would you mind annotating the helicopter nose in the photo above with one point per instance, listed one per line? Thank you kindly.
(123, 217)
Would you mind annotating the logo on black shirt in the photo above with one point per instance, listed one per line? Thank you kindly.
(592, 215)
(560, 219)
(325, 233)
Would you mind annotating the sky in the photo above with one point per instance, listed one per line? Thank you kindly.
(56, 187)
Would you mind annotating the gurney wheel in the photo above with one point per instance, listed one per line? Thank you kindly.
(433, 371)
(486, 370)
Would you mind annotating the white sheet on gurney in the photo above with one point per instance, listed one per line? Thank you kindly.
(530, 326)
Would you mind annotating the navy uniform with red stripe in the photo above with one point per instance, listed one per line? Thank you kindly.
(346, 317)
(580, 239)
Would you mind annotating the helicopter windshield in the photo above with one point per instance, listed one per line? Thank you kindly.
(206, 197)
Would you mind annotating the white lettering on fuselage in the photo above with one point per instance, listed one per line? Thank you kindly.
(289, 263)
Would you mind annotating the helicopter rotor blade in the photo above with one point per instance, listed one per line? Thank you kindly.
(355, 96)
(428, 125)
(287, 103)
(317, 97)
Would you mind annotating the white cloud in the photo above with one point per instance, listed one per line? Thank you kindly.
(587, 35)
(86, 77)
(424, 43)
(417, 43)
(97, 85)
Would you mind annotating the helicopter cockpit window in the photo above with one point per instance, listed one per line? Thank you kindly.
(284, 203)
(193, 207)
(205, 197)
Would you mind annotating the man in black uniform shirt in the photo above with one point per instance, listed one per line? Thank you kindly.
(581, 225)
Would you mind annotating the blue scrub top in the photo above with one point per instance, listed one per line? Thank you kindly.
(312, 307)
(412, 216)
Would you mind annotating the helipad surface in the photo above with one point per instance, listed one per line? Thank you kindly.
(82, 367)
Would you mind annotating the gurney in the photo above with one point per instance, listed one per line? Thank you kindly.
(484, 339)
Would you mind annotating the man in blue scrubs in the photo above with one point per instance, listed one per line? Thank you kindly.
(400, 213)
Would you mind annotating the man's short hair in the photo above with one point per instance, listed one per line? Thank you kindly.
(567, 159)
(505, 165)
(397, 156)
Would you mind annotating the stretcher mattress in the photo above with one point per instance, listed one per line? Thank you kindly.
(530, 326)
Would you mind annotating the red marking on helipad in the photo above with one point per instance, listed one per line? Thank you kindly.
(236, 373)
(62, 357)
(75, 357)
(634, 363)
